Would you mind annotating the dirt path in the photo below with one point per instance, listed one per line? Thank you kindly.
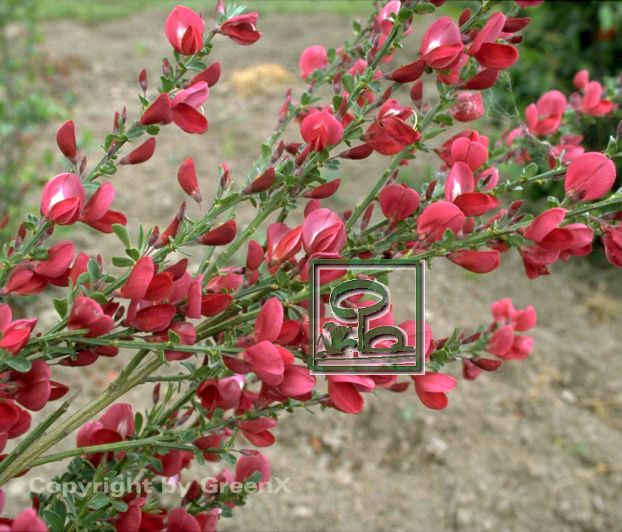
(538, 445)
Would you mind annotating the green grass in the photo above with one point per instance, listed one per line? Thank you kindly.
(93, 11)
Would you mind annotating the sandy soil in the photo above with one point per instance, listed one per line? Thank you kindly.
(536, 446)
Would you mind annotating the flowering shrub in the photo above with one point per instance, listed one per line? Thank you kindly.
(236, 331)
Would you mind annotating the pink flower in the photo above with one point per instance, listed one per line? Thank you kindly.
(241, 29)
(431, 389)
(115, 425)
(545, 117)
(590, 176)
(383, 21)
(321, 129)
(184, 30)
(311, 59)
(269, 321)
(323, 231)
(28, 520)
(441, 45)
(436, 218)
(97, 212)
(590, 102)
(252, 462)
(62, 199)
(472, 152)
(612, 239)
(469, 106)
(487, 51)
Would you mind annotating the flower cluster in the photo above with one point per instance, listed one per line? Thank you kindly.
(232, 320)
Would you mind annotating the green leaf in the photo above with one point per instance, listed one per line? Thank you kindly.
(266, 152)
(444, 119)
(18, 364)
(133, 253)
(530, 170)
(55, 522)
(122, 234)
(99, 501)
(61, 307)
(348, 82)
(424, 8)
(122, 262)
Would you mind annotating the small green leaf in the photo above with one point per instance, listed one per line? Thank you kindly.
(122, 262)
(18, 364)
(122, 234)
(348, 82)
(61, 307)
(424, 8)
(99, 501)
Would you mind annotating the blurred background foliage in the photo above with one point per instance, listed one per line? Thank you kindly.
(563, 38)
(26, 102)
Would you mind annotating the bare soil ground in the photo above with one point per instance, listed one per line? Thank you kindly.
(536, 446)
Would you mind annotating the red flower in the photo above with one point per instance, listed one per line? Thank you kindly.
(184, 108)
(398, 202)
(431, 389)
(269, 321)
(179, 520)
(66, 140)
(323, 231)
(590, 176)
(311, 59)
(159, 112)
(436, 218)
(60, 256)
(221, 235)
(252, 462)
(469, 106)
(257, 431)
(222, 393)
(115, 425)
(590, 102)
(545, 117)
(62, 199)
(323, 191)
(142, 154)
(86, 313)
(390, 133)
(487, 51)
(28, 520)
(612, 239)
(187, 178)
(321, 129)
(97, 212)
(242, 28)
(16, 334)
(476, 261)
(442, 44)
(345, 391)
(184, 30)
